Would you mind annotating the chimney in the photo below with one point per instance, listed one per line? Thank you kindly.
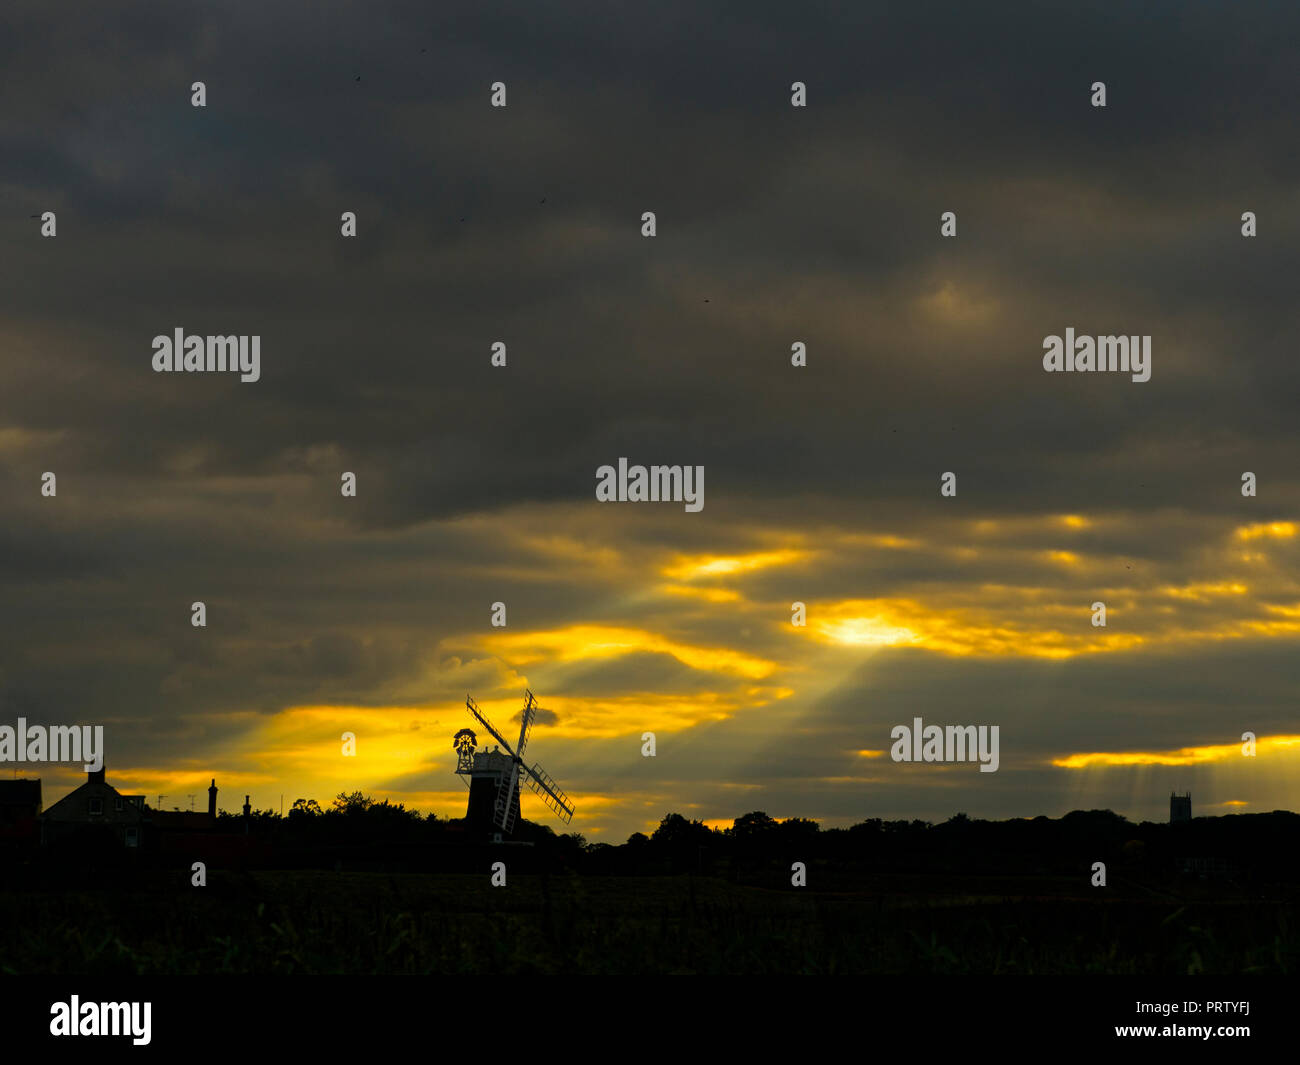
(95, 776)
(247, 810)
(212, 799)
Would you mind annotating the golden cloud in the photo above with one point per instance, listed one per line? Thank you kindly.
(1181, 756)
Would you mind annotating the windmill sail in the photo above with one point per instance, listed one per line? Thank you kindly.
(508, 800)
(540, 781)
(473, 709)
(526, 722)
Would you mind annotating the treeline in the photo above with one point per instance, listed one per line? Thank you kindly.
(1262, 847)
(1245, 846)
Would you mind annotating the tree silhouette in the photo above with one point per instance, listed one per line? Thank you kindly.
(353, 803)
(752, 825)
(797, 831)
(675, 831)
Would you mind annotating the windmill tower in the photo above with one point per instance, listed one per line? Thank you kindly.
(494, 775)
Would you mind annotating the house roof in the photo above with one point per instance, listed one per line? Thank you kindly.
(95, 787)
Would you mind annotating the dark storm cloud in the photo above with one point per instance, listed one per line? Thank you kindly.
(659, 673)
(225, 220)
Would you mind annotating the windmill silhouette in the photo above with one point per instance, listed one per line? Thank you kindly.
(495, 775)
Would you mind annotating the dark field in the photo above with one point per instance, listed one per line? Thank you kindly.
(327, 922)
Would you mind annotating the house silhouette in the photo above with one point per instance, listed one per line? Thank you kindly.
(94, 811)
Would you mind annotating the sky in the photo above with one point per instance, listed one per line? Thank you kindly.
(476, 484)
